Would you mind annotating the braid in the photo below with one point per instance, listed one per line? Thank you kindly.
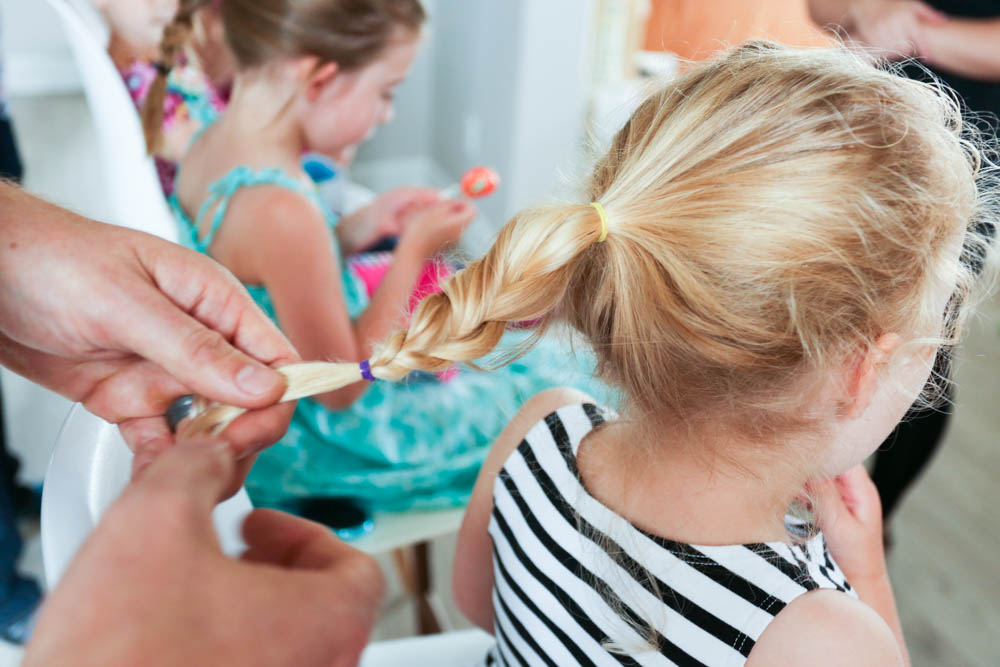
(175, 38)
(524, 276)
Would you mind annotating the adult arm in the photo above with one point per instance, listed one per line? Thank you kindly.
(967, 47)
(125, 323)
(891, 28)
(160, 592)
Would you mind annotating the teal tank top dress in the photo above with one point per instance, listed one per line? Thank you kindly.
(411, 444)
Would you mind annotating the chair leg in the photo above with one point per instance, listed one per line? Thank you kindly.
(413, 565)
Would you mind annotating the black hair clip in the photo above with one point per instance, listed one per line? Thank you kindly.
(162, 68)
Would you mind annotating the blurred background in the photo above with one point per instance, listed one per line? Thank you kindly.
(533, 88)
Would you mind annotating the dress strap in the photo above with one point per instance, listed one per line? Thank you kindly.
(222, 191)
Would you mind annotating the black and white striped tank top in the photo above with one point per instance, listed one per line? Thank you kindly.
(560, 599)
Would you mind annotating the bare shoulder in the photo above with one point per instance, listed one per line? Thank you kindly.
(274, 210)
(533, 411)
(268, 226)
(826, 628)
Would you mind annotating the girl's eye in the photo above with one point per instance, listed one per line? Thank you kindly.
(389, 96)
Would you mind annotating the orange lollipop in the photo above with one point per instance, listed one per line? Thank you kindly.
(479, 182)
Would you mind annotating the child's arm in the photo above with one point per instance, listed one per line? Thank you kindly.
(386, 216)
(277, 238)
(827, 627)
(472, 572)
(852, 524)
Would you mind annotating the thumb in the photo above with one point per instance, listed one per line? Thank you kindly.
(194, 475)
(199, 357)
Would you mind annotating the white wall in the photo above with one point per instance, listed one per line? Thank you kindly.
(409, 133)
(503, 84)
(36, 56)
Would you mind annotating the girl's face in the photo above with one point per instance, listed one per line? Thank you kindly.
(348, 107)
(882, 399)
(139, 23)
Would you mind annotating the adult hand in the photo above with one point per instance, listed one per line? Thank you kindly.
(386, 216)
(160, 592)
(125, 323)
(893, 28)
(851, 519)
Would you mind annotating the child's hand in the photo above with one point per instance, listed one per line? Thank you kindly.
(438, 226)
(851, 519)
(386, 216)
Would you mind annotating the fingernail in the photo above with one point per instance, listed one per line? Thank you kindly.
(255, 380)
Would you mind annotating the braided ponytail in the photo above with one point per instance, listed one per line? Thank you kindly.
(524, 276)
(175, 38)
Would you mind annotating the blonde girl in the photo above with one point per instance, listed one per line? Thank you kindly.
(319, 75)
(765, 264)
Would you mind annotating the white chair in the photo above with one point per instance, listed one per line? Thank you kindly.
(135, 198)
(90, 467)
(465, 647)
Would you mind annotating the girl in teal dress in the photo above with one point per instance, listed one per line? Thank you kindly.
(307, 81)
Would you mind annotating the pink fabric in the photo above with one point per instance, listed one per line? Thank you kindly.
(371, 269)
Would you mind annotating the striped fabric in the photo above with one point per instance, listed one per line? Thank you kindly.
(561, 599)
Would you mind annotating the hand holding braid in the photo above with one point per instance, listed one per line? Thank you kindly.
(522, 277)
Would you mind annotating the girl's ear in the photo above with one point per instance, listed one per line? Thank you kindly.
(863, 378)
(319, 78)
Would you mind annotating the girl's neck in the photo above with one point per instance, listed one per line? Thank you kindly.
(667, 482)
(261, 117)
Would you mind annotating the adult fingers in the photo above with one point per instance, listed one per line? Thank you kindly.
(131, 388)
(253, 431)
(188, 330)
(198, 356)
(250, 433)
(187, 480)
(281, 539)
(147, 437)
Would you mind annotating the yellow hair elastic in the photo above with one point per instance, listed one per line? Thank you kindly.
(604, 220)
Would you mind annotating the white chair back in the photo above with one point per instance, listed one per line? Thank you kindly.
(90, 467)
(464, 647)
(134, 194)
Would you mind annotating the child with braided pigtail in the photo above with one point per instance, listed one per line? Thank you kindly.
(777, 244)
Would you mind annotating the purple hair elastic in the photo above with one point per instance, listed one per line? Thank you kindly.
(366, 371)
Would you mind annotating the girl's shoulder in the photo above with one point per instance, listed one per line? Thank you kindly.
(560, 417)
(825, 627)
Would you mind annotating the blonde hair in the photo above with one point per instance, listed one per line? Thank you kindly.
(769, 213)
